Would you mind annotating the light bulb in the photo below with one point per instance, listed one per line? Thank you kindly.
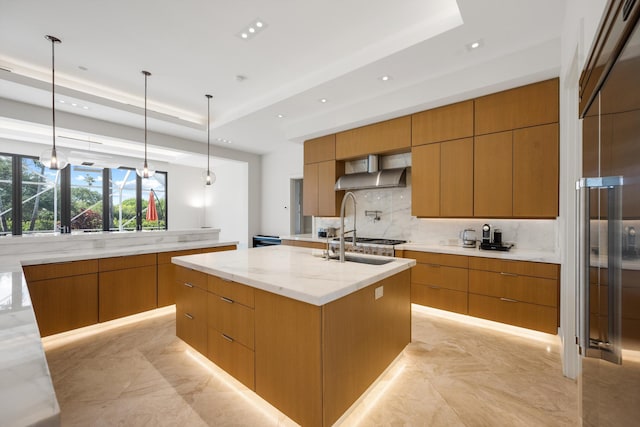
(54, 159)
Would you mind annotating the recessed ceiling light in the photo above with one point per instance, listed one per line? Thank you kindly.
(280, 116)
(475, 45)
(61, 101)
(385, 78)
(323, 100)
(252, 29)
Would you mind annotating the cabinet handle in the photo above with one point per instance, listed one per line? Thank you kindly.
(435, 287)
(188, 285)
(188, 316)
(508, 300)
(227, 337)
(225, 299)
(508, 274)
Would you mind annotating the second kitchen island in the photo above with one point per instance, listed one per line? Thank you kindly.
(307, 335)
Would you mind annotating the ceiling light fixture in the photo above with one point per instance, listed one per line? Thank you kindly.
(280, 116)
(210, 177)
(146, 171)
(385, 78)
(51, 158)
(252, 30)
(323, 100)
(474, 45)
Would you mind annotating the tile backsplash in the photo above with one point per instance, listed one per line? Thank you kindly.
(396, 221)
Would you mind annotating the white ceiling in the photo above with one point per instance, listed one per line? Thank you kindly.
(312, 49)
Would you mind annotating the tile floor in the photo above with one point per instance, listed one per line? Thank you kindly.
(452, 374)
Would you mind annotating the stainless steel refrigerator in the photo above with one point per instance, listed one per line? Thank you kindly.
(608, 200)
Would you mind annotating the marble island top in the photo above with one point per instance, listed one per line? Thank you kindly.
(294, 272)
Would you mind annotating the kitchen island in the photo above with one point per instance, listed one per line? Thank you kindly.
(306, 334)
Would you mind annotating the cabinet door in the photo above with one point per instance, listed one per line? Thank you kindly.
(535, 172)
(492, 175)
(384, 137)
(65, 303)
(456, 178)
(329, 199)
(425, 180)
(166, 284)
(310, 190)
(320, 149)
(191, 316)
(126, 292)
(442, 124)
(236, 359)
(524, 106)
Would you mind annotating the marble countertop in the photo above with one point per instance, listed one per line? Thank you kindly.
(513, 254)
(294, 272)
(27, 396)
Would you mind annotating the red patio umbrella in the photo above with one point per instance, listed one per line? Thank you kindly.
(152, 212)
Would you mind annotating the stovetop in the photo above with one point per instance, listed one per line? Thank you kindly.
(373, 240)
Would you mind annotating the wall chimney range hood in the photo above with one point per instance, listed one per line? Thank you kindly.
(373, 178)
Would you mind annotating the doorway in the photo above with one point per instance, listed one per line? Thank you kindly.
(300, 224)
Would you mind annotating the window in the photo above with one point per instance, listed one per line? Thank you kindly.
(41, 207)
(86, 198)
(6, 194)
(35, 199)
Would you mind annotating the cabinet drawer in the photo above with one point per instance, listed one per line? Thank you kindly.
(443, 277)
(232, 319)
(436, 297)
(531, 316)
(438, 259)
(520, 288)
(60, 269)
(192, 277)
(234, 291)
(192, 300)
(233, 357)
(524, 268)
(130, 261)
(190, 326)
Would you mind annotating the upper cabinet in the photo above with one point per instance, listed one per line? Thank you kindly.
(384, 137)
(531, 105)
(443, 124)
(321, 171)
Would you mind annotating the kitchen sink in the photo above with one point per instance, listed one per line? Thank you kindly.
(365, 260)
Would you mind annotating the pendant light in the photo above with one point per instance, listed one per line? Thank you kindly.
(146, 171)
(210, 178)
(53, 159)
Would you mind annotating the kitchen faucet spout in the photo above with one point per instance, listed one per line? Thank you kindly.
(342, 231)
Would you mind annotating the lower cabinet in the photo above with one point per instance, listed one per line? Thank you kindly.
(519, 293)
(191, 308)
(304, 244)
(127, 285)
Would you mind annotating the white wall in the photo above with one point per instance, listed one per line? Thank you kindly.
(278, 168)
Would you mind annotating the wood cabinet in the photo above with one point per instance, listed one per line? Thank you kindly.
(520, 293)
(64, 295)
(439, 281)
(167, 272)
(536, 165)
(390, 136)
(530, 105)
(446, 123)
(126, 285)
(191, 308)
(231, 331)
(425, 180)
(320, 149)
(492, 175)
(321, 171)
(304, 244)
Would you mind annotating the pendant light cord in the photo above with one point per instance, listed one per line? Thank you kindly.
(146, 74)
(208, 133)
(53, 40)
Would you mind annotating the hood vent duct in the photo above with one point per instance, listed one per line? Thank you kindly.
(374, 178)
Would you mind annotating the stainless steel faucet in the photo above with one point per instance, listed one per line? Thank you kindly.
(342, 232)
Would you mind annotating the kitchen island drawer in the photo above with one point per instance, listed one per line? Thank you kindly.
(535, 290)
(232, 319)
(234, 291)
(532, 316)
(191, 316)
(523, 268)
(233, 357)
(191, 277)
(441, 298)
(438, 259)
(440, 276)
(129, 261)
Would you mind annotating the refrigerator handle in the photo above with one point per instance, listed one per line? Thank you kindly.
(614, 273)
(582, 267)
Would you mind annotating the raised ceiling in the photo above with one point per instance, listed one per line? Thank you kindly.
(312, 49)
